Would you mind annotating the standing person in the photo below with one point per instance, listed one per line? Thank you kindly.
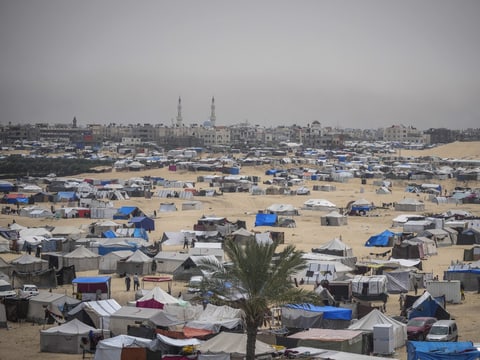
(136, 282)
(185, 242)
(127, 282)
(415, 286)
(401, 300)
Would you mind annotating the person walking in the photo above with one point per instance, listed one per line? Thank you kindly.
(136, 282)
(127, 282)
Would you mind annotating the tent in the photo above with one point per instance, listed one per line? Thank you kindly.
(433, 350)
(95, 313)
(156, 299)
(398, 281)
(469, 236)
(129, 315)
(167, 207)
(118, 348)
(28, 263)
(168, 261)
(427, 305)
(409, 204)
(361, 207)
(468, 274)
(331, 317)
(376, 317)
(343, 340)
(319, 205)
(370, 288)
(143, 222)
(333, 218)
(65, 338)
(108, 263)
(138, 263)
(232, 344)
(265, 219)
(242, 236)
(282, 209)
(213, 318)
(383, 239)
(318, 270)
(334, 247)
(4, 245)
(56, 303)
(192, 205)
(82, 258)
(93, 287)
(190, 267)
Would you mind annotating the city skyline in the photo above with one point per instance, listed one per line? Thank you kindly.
(348, 64)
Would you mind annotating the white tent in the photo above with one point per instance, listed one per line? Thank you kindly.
(157, 296)
(138, 263)
(28, 263)
(129, 315)
(232, 343)
(167, 207)
(333, 218)
(319, 205)
(376, 317)
(46, 300)
(409, 204)
(65, 338)
(111, 349)
(214, 317)
(282, 209)
(82, 258)
(335, 247)
(169, 261)
(95, 312)
(108, 263)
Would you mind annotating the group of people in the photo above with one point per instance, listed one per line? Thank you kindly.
(136, 282)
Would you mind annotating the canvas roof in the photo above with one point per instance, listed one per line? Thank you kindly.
(232, 343)
(73, 327)
(335, 244)
(319, 202)
(376, 317)
(160, 295)
(81, 252)
(326, 334)
(27, 259)
(139, 256)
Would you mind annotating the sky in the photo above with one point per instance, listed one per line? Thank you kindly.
(345, 63)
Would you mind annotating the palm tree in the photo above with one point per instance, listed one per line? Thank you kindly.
(262, 277)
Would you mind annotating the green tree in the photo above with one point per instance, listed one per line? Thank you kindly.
(262, 278)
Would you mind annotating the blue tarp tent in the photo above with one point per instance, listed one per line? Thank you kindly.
(125, 212)
(271, 172)
(427, 305)
(66, 196)
(382, 239)
(109, 234)
(143, 222)
(329, 312)
(432, 350)
(265, 220)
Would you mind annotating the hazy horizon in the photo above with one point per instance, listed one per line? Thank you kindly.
(347, 63)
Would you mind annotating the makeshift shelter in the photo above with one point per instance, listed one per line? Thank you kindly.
(82, 258)
(192, 205)
(213, 318)
(468, 274)
(427, 305)
(127, 212)
(398, 281)
(334, 247)
(409, 204)
(129, 315)
(361, 207)
(167, 207)
(375, 317)
(156, 299)
(472, 254)
(262, 219)
(28, 263)
(440, 236)
(227, 344)
(66, 338)
(95, 313)
(469, 236)
(108, 263)
(168, 261)
(318, 270)
(330, 317)
(190, 267)
(282, 209)
(123, 347)
(383, 190)
(441, 350)
(5, 267)
(138, 263)
(143, 222)
(370, 288)
(333, 218)
(92, 288)
(384, 239)
(319, 205)
(53, 302)
(342, 340)
(242, 236)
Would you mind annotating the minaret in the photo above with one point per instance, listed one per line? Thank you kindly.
(212, 113)
(179, 112)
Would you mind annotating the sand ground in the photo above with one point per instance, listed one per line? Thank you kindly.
(21, 340)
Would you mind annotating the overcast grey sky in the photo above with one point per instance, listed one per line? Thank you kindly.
(346, 63)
